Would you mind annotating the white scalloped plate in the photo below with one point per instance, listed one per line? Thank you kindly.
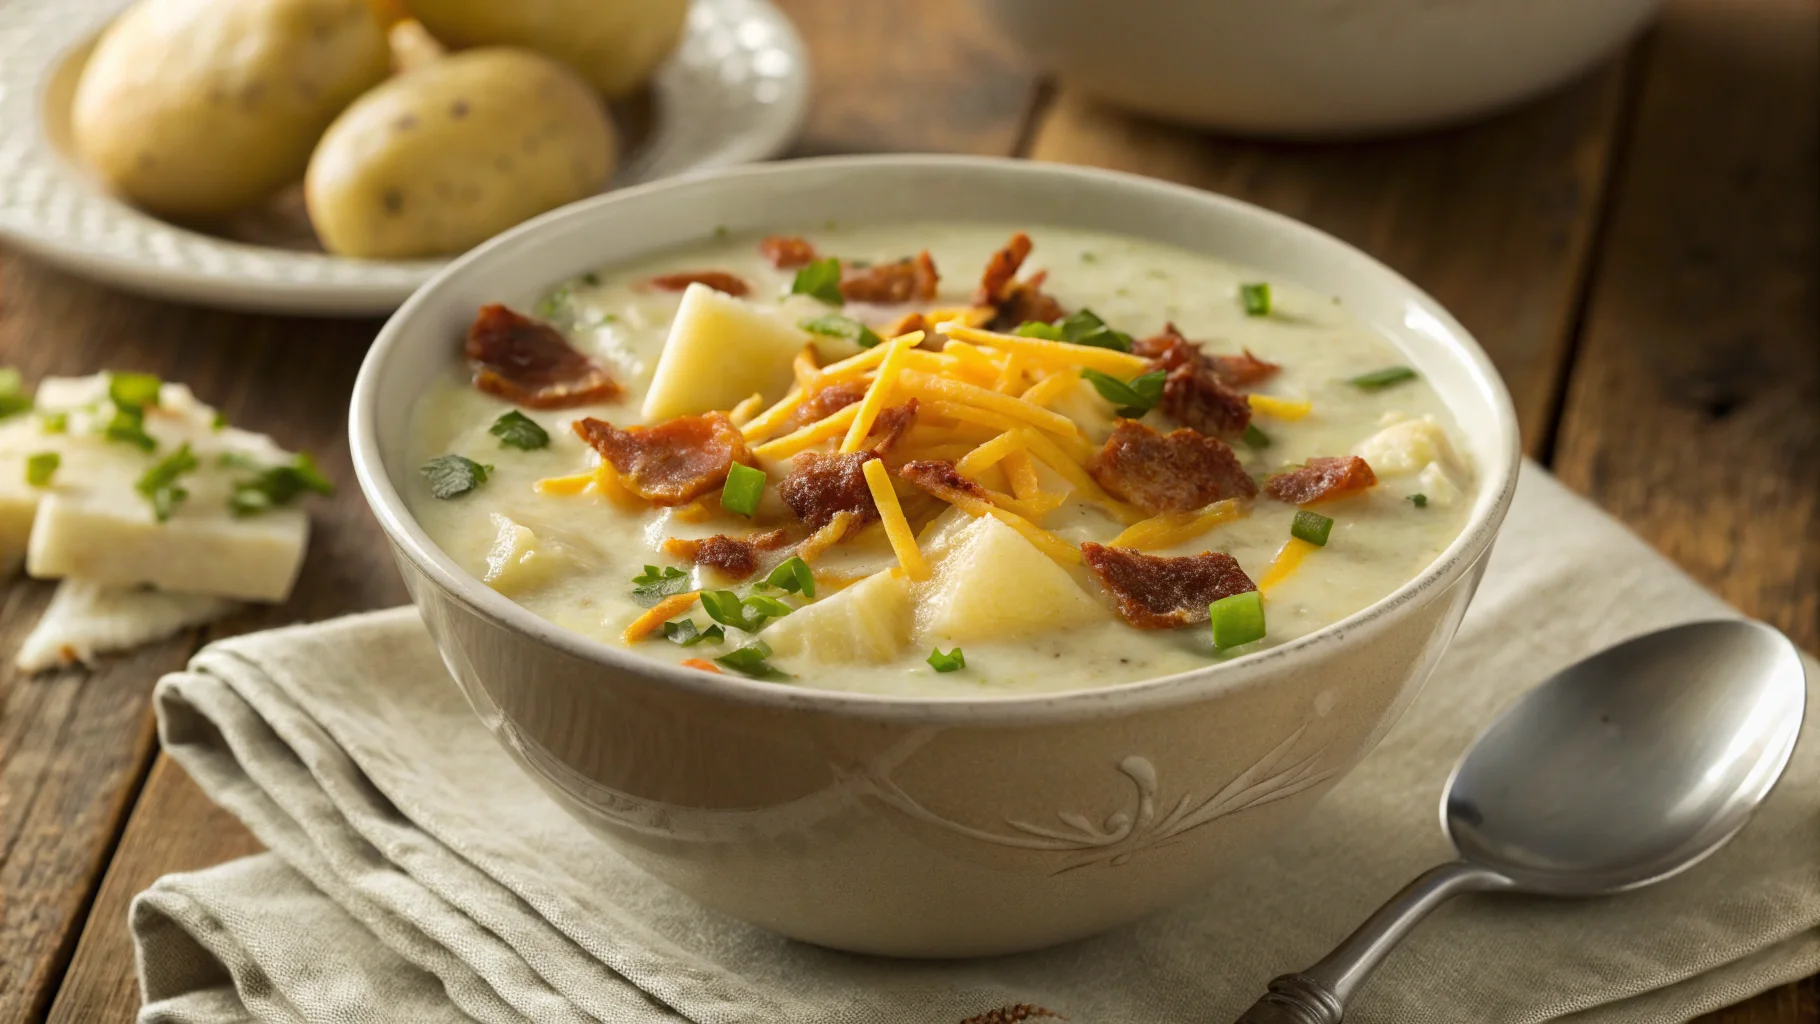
(734, 92)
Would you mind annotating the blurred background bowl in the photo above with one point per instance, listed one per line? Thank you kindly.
(1316, 68)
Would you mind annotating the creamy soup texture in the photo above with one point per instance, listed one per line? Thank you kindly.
(570, 543)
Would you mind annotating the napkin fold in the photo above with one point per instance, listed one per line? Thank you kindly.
(416, 875)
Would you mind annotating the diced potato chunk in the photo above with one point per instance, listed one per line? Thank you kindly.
(516, 563)
(995, 585)
(720, 350)
(869, 621)
(1439, 486)
(1407, 446)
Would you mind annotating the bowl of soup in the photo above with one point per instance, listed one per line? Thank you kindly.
(933, 556)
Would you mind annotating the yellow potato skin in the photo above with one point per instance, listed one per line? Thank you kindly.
(451, 153)
(194, 108)
(615, 44)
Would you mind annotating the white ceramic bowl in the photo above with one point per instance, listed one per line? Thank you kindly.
(1316, 68)
(937, 827)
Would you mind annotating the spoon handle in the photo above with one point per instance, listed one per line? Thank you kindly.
(1319, 994)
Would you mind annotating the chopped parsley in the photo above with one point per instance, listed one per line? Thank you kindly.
(55, 422)
(1135, 397)
(749, 614)
(452, 476)
(1254, 438)
(953, 661)
(655, 584)
(128, 427)
(273, 486)
(1312, 527)
(836, 326)
(750, 660)
(41, 467)
(135, 389)
(744, 488)
(13, 397)
(685, 633)
(1419, 500)
(1255, 298)
(159, 484)
(793, 576)
(1039, 329)
(819, 279)
(516, 430)
(1378, 380)
(1082, 327)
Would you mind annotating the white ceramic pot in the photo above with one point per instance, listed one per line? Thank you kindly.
(1316, 68)
(943, 827)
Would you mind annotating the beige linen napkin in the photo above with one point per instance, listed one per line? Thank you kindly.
(417, 876)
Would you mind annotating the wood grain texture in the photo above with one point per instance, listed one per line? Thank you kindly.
(75, 745)
(1494, 219)
(909, 77)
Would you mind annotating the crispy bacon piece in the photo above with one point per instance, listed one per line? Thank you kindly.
(823, 403)
(940, 478)
(891, 424)
(719, 280)
(787, 252)
(1170, 351)
(1174, 472)
(671, 462)
(1027, 301)
(821, 485)
(911, 278)
(735, 556)
(1153, 592)
(1001, 271)
(529, 363)
(1194, 397)
(1241, 370)
(1321, 479)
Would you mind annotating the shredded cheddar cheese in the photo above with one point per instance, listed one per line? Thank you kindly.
(745, 410)
(803, 437)
(805, 367)
(566, 486)
(1048, 543)
(696, 511)
(817, 543)
(1279, 408)
(1050, 388)
(656, 615)
(1022, 473)
(897, 528)
(952, 452)
(1168, 529)
(701, 663)
(1011, 376)
(1074, 471)
(990, 453)
(764, 423)
(1055, 353)
(868, 408)
(923, 385)
(1288, 557)
(971, 316)
(606, 481)
(856, 366)
(982, 364)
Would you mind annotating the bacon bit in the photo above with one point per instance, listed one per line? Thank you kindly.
(1242, 370)
(823, 403)
(1171, 351)
(1195, 398)
(1321, 479)
(890, 425)
(911, 322)
(787, 252)
(735, 556)
(821, 485)
(672, 462)
(1027, 302)
(942, 479)
(889, 283)
(529, 363)
(719, 280)
(1174, 472)
(701, 663)
(1153, 592)
(1001, 271)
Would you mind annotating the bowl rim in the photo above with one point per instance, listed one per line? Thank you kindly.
(413, 544)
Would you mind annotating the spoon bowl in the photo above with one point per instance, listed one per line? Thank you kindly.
(1633, 764)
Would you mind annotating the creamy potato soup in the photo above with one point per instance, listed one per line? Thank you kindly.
(924, 460)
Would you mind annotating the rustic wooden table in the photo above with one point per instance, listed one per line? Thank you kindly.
(1638, 252)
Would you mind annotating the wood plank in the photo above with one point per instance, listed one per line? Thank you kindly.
(1693, 412)
(899, 77)
(75, 745)
(1494, 219)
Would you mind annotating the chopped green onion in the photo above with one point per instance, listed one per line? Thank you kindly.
(655, 584)
(13, 397)
(1255, 438)
(516, 430)
(750, 660)
(134, 389)
(1134, 398)
(1312, 527)
(128, 427)
(819, 279)
(159, 484)
(953, 661)
(793, 576)
(1090, 257)
(1256, 299)
(767, 607)
(591, 279)
(274, 486)
(749, 614)
(1238, 619)
(1038, 329)
(722, 231)
(55, 422)
(220, 422)
(743, 489)
(1377, 380)
(1082, 327)
(41, 467)
(238, 460)
(836, 326)
(685, 633)
(1419, 500)
(452, 476)
(553, 303)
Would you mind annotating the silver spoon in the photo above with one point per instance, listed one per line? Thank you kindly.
(1621, 770)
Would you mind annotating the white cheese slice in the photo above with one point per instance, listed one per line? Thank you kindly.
(90, 523)
(86, 619)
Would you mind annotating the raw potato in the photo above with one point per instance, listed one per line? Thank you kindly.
(615, 44)
(451, 153)
(195, 108)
